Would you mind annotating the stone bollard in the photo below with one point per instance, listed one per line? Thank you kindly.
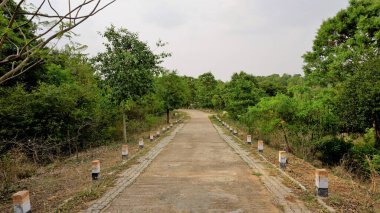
(21, 202)
(95, 169)
(282, 159)
(260, 145)
(171, 125)
(151, 137)
(321, 182)
(141, 143)
(158, 134)
(249, 139)
(235, 132)
(163, 129)
(231, 129)
(124, 152)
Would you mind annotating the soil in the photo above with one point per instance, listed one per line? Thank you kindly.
(346, 194)
(66, 185)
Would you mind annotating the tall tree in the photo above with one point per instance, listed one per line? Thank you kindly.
(127, 68)
(206, 84)
(359, 100)
(173, 90)
(241, 92)
(343, 41)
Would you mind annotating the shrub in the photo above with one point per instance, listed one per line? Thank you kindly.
(330, 150)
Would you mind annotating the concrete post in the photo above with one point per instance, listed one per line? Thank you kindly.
(249, 139)
(21, 202)
(141, 143)
(260, 145)
(282, 159)
(151, 137)
(124, 151)
(321, 182)
(95, 169)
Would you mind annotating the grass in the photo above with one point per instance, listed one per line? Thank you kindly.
(66, 186)
(257, 174)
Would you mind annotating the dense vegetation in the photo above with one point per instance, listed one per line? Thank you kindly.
(333, 113)
(70, 102)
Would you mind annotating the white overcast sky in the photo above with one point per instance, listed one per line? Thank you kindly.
(260, 37)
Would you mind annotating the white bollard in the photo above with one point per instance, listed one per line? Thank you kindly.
(321, 182)
(151, 137)
(124, 151)
(282, 159)
(21, 202)
(163, 129)
(260, 145)
(249, 139)
(235, 132)
(141, 143)
(158, 134)
(95, 164)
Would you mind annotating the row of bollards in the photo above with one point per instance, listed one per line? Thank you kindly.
(21, 200)
(321, 175)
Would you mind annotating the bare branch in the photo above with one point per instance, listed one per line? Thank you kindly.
(11, 22)
(3, 2)
(33, 45)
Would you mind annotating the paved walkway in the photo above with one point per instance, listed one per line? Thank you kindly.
(196, 172)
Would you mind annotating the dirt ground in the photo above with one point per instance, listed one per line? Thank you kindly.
(196, 172)
(345, 193)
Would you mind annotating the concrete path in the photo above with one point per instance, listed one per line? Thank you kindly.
(196, 172)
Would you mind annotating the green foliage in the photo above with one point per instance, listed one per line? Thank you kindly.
(205, 87)
(240, 93)
(65, 113)
(127, 67)
(359, 99)
(172, 90)
(344, 41)
(369, 136)
(356, 158)
(330, 150)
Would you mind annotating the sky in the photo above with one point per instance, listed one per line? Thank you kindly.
(260, 37)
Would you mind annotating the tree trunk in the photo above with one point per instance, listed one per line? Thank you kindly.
(376, 127)
(288, 149)
(167, 116)
(124, 127)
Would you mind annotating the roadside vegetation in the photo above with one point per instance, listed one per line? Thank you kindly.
(69, 103)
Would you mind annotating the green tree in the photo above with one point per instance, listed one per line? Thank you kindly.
(218, 99)
(359, 100)
(240, 93)
(56, 117)
(206, 85)
(191, 84)
(173, 90)
(127, 68)
(342, 42)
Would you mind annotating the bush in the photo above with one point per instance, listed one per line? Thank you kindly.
(330, 150)
(356, 158)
